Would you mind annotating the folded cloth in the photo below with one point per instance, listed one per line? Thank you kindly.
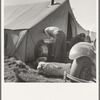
(53, 69)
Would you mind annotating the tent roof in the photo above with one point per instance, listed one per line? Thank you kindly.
(25, 16)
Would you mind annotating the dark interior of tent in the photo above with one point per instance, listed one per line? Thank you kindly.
(69, 28)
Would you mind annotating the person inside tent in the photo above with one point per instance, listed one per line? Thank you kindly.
(88, 37)
(78, 38)
(58, 48)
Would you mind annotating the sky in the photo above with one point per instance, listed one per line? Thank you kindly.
(85, 11)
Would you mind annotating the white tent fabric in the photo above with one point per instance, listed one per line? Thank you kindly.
(24, 25)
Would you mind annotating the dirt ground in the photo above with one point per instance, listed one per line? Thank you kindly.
(17, 71)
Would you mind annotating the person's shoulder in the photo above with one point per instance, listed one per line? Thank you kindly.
(51, 28)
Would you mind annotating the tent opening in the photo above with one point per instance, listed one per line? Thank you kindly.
(69, 28)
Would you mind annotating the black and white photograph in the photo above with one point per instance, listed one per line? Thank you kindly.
(50, 41)
(49, 50)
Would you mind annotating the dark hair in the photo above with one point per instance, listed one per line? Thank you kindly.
(82, 34)
(44, 30)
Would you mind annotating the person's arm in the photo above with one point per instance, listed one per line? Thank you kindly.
(45, 31)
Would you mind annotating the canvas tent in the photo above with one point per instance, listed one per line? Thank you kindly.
(24, 24)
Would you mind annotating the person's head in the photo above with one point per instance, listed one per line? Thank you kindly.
(82, 35)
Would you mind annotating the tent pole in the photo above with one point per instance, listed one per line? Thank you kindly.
(52, 2)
